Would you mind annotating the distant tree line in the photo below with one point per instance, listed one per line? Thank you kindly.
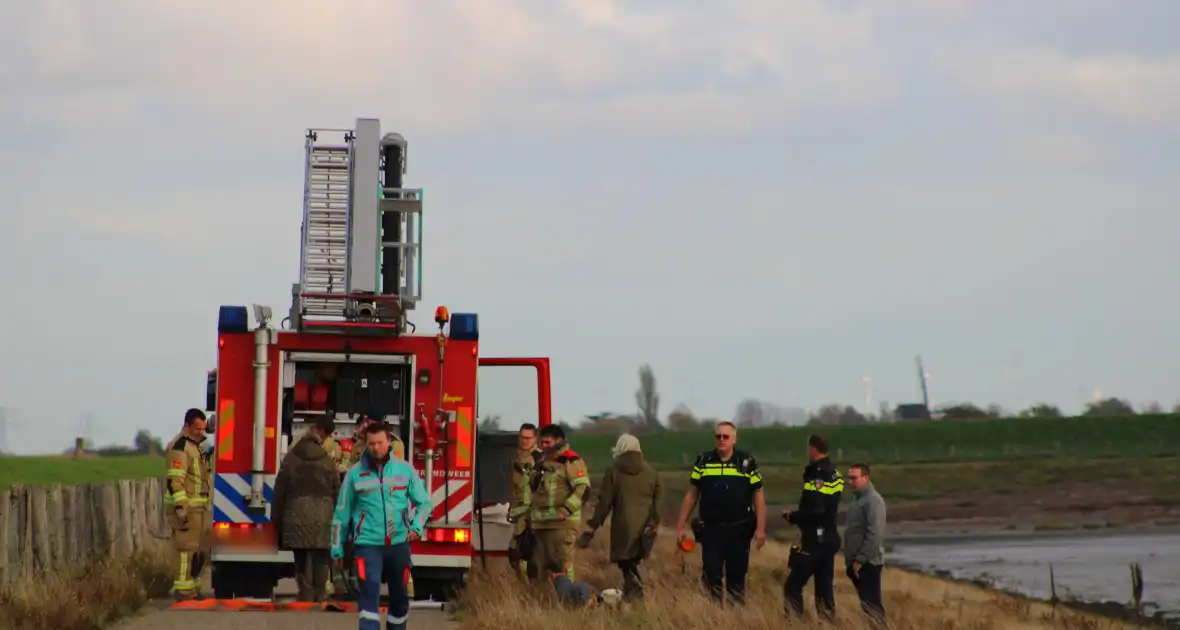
(756, 413)
(144, 443)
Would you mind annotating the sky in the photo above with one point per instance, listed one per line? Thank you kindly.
(767, 199)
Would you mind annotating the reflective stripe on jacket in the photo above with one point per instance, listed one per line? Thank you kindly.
(375, 504)
(188, 474)
(522, 469)
(559, 485)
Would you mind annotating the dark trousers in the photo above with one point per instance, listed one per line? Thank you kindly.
(868, 588)
(521, 550)
(384, 564)
(811, 564)
(312, 570)
(632, 581)
(725, 554)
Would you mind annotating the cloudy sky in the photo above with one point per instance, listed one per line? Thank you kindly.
(759, 198)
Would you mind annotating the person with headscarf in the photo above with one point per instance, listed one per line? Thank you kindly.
(630, 496)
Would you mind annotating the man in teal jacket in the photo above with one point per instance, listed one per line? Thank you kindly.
(373, 510)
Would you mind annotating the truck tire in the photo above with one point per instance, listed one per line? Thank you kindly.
(244, 579)
(224, 584)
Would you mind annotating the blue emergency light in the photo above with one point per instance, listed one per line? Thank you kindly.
(465, 327)
(232, 319)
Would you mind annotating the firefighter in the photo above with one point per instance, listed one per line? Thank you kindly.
(372, 414)
(335, 453)
(558, 485)
(527, 456)
(815, 558)
(188, 481)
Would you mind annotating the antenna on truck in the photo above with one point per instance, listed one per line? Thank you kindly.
(360, 262)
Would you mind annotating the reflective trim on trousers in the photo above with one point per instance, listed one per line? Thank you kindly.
(372, 563)
(183, 581)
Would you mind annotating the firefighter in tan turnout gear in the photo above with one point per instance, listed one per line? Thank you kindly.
(558, 486)
(335, 453)
(353, 457)
(523, 541)
(189, 482)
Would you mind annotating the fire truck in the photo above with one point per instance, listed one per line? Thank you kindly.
(346, 345)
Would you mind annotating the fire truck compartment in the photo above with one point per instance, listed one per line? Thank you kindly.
(349, 385)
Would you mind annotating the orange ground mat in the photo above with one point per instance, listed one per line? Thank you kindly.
(223, 605)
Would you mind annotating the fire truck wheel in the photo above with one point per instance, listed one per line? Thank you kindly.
(233, 580)
(223, 583)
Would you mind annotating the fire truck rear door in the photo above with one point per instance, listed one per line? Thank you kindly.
(496, 446)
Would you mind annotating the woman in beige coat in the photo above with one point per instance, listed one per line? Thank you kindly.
(630, 495)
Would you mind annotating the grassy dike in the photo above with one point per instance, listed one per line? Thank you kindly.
(936, 441)
(955, 469)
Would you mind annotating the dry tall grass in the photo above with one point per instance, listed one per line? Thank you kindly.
(88, 598)
(675, 600)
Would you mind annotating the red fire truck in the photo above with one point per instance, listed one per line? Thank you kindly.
(346, 345)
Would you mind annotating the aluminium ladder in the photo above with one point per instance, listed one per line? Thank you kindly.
(324, 260)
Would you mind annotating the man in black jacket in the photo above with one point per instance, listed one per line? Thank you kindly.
(815, 557)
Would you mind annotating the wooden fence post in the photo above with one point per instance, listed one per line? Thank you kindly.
(39, 537)
(6, 558)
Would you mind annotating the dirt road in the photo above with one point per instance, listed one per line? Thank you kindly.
(160, 617)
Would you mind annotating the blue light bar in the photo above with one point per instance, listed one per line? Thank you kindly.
(464, 326)
(232, 319)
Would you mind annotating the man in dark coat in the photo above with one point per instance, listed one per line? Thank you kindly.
(304, 500)
(630, 495)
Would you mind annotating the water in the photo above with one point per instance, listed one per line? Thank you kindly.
(1092, 568)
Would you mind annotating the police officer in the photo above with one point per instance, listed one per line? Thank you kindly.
(732, 512)
(558, 486)
(815, 557)
(188, 481)
(527, 457)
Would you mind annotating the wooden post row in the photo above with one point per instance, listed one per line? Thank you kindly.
(52, 528)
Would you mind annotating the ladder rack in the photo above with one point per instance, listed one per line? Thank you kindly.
(360, 261)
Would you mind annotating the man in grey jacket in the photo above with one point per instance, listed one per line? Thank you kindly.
(864, 540)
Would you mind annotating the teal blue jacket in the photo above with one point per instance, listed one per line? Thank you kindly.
(373, 508)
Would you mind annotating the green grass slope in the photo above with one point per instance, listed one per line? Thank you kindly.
(917, 442)
(67, 470)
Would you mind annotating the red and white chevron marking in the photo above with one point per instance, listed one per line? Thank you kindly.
(456, 508)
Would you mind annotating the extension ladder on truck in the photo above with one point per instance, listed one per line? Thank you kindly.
(362, 233)
(324, 260)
